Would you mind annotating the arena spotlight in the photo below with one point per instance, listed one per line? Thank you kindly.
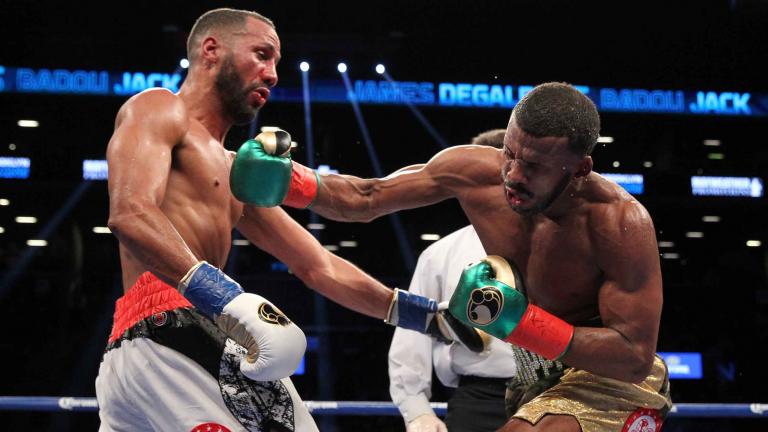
(28, 123)
(380, 69)
(184, 63)
(342, 67)
(26, 219)
(304, 66)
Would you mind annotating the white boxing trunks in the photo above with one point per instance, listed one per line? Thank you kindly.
(168, 368)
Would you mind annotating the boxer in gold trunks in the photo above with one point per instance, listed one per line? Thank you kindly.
(585, 251)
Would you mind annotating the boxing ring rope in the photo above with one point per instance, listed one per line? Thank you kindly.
(681, 410)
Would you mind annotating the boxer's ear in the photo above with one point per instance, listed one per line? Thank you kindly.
(210, 50)
(585, 167)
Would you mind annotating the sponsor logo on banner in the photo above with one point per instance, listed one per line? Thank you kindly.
(758, 408)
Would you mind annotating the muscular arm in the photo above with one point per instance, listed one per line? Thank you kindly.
(630, 298)
(353, 199)
(148, 127)
(272, 230)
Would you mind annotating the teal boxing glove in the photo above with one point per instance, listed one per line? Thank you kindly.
(490, 297)
(263, 174)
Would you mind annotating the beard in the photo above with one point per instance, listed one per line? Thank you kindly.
(545, 201)
(234, 93)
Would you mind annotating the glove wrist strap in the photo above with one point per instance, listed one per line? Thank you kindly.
(184, 282)
(543, 333)
(411, 311)
(303, 188)
(209, 289)
(391, 317)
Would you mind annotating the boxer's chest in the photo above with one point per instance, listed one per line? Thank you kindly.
(561, 271)
(557, 260)
(203, 165)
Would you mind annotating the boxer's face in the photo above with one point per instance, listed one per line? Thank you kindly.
(248, 70)
(537, 170)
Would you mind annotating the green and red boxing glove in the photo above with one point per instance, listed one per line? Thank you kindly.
(264, 175)
(489, 298)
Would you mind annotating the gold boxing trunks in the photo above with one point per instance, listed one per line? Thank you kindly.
(603, 404)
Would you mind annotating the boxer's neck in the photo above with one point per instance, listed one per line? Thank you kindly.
(204, 105)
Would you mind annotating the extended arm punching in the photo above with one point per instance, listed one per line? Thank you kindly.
(265, 179)
(263, 176)
(274, 231)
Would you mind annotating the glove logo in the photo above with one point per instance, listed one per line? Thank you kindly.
(273, 315)
(484, 305)
(159, 319)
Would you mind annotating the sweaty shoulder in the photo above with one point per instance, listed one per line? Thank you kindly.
(158, 110)
(615, 212)
(468, 164)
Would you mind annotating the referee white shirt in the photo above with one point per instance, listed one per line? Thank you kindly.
(412, 354)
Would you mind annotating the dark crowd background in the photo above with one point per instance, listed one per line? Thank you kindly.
(56, 314)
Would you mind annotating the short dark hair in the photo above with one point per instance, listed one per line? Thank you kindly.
(217, 19)
(490, 138)
(559, 110)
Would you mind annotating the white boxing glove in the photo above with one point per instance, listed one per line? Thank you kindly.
(274, 344)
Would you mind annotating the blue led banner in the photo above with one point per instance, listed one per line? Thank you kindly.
(727, 186)
(14, 167)
(88, 82)
(441, 94)
(95, 169)
(683, 365)
(606, 98)
(632, 183)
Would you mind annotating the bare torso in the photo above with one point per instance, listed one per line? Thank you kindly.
(197, 200)
(591, 253)
(557, 257)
